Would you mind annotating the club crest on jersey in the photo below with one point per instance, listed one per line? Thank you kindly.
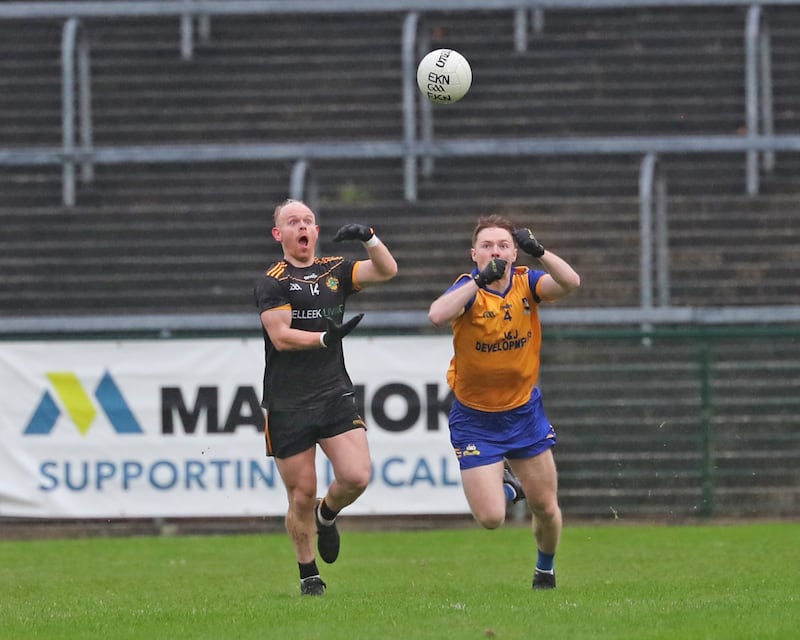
(332, 283)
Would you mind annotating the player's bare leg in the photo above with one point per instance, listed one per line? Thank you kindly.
(539, 480)
(349, 456)
(483, 488)
(299, 476)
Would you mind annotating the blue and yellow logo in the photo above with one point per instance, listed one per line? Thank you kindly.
(80, 407)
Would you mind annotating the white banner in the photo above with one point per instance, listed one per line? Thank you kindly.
(170, 428)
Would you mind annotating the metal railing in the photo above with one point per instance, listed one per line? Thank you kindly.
(134, 8)
(171, 325)
(418, 140)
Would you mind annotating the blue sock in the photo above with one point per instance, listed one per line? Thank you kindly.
(545, 561)
(509, 491)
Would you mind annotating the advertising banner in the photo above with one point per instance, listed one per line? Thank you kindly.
(172, 428)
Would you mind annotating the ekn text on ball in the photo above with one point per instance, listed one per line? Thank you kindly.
(444, 76)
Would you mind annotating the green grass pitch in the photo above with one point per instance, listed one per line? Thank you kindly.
(614, 581)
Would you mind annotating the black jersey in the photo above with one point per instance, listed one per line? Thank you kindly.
(307, 378)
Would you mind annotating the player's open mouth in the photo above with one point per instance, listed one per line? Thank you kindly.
(303, 240)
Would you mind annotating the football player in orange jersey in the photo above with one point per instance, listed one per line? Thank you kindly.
(498, 426)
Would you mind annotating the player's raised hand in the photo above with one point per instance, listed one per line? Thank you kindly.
(354, 232)
(336, 332)
(491, 272)
(527, 242)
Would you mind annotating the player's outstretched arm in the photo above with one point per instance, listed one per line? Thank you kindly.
(381, 265)
(451, 303)
(561, 280)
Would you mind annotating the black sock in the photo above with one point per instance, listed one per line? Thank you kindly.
(325, 511)
(308, 570)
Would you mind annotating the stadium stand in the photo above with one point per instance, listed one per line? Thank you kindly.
(188, 238)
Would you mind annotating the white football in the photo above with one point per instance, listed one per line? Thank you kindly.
(444, 76)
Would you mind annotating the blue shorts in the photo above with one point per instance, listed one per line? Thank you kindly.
(480, 437)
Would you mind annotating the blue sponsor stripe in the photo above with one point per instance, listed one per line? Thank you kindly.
(117, 410)
(44, 418)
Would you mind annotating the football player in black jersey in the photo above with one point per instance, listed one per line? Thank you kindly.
(308, 395)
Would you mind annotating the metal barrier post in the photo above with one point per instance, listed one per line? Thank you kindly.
(67, 111)
(646, 174)
(425, 108)
(653, 213)
(520, 30)
(187, 22)
(85, 105)
(409, 113)
(187, 36)
(752, 30)
(73, 33)
(537, 17)
(204, 27)
(303, 184)
(652, 196)
(767, 114)
(662, 237)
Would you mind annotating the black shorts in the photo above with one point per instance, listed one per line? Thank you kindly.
(288, 433)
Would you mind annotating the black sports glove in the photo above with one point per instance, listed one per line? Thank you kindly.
(528, 243)
(336, 332)
(354, 232)
(491, 272)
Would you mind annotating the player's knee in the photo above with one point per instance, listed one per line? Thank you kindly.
(355, 480)
(490, 519)
(491, 523)
(302, 499)
(545, 510)
(360, 483)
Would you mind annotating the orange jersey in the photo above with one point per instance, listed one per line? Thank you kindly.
(496, 343)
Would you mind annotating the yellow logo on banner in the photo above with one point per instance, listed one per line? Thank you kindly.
(78, 405)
